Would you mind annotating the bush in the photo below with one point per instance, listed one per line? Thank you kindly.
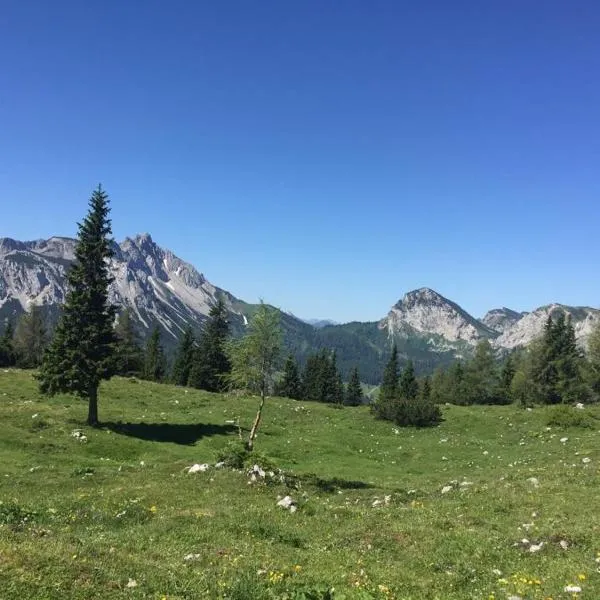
(234, 455)
(416, 413)
(565, 416)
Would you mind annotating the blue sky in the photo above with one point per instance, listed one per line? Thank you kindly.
(325, 156)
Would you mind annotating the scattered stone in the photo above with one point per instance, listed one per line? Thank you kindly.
(446, 489)
(288, 504)
(190, 556)
(536, 547)
(197, 468)
(564, 544)
(131, 583)
(586, 460)
(579, 406)
(573, 589)
(35, 416)
(534, 481)
(220, 464)
(564, 440)
(79, 435)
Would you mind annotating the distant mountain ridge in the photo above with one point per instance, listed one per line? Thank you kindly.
(160, 288)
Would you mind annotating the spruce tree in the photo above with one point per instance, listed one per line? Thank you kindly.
(211, 366)
(482, 381)
(81, 353)
(184, 358)
(129, 356)
(388, 391)
(154, 361)
(30, 338)
(354, 393)
(7, 352)
(408, 388)
(507, 374)
(290, 385)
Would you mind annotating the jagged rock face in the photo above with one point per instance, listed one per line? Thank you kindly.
(157, 286)
(500, 319)
(425, 312)
(531, 325)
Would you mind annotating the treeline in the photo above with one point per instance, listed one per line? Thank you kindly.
(201, 362)
(320, 380)
(551, 370)
(403, 399)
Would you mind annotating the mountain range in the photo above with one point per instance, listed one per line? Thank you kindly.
(160, 288)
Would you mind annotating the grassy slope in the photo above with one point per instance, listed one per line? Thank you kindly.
(81, 519)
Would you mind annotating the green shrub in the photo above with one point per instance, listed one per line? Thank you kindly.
(416, 413)
(234, 455)
(565, 416)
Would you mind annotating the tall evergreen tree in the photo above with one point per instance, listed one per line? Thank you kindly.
(425, 389)
(384, 407)
(154, 362)
(408, 388)
(507, 374)
(211, 365)
(81, 353)
(184, 358)
(482, 377)
(129, 356)
(290, 385)
(7, 352)
(31, 338)
(354, 393)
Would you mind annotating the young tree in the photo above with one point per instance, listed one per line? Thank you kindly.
(81, 353)
(154, 363)
(211, 365)
(184, 358)
(354, 393)
(388, 392)
(129, 356)
(31, 338)
(290, 385)
(254, 359)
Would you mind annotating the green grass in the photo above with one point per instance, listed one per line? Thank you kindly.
(80, 520)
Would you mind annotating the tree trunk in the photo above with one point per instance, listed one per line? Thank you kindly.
(92, 419)
(250, 443)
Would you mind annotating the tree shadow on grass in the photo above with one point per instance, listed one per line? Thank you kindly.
(184, 433)
(334, 484)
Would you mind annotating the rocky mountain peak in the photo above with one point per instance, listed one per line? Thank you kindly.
(426, 312)
(500, 319)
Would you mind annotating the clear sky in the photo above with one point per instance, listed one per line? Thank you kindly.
(326, 156)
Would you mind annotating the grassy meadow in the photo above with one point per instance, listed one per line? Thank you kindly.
(494, 503)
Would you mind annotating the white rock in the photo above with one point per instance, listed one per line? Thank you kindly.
(563, 440)
(190, 556)
(446, 489)
(131, 583)
(197, 468)
(586, 460)
(564, 544)
(580, 406)
(536, 547)
(534, 481)
(573, 589)
(219, 465)
(286, 502)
